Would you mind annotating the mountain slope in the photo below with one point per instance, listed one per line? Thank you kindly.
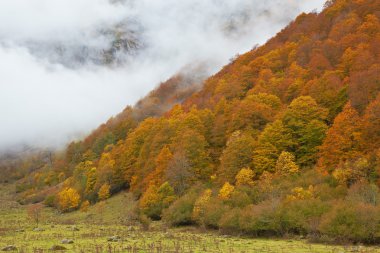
(285, 139)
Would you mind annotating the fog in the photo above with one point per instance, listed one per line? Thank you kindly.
(63, 71)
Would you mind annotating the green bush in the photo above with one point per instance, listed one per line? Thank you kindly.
(261, 219)
(229, 223)
(23, 187)
(352, 222)
(180, 212)
(50, 201)
(364, 192)
(214, 211)
(301, 216)
(326, 192)
(239, 199)
(145, 222)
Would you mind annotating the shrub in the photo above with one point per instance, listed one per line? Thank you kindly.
(261, 219)
(156, 199)
(214, 210)
(302, 216)
(84, 207)
(352, 222)
(326, 192)
(229, 223)
(50, 201)
(180, 212)
(364, 192)
(200, 205)
(145, 222)
(239, 198)
(23, 187)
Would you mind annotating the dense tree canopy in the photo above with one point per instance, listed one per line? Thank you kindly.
(282, 128)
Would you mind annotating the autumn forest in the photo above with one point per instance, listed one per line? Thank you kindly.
(283, 141)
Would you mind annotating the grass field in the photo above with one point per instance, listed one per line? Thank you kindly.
(91, 231)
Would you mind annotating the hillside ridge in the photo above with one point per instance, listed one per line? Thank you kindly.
(283, 140)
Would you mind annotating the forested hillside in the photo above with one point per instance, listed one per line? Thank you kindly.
(283, 140)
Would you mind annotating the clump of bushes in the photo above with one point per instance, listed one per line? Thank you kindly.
(324, 212)
(355, 222)
(180, 212)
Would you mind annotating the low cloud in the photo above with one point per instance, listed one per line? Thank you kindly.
(56, 79)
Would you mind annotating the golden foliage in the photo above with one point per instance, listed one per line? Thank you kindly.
(351, 171)
(226, 191)
(286, 164)
(299, 193)
(104, 192)
(245, 177)
(84, 207)
(68, 199)
(200, 203)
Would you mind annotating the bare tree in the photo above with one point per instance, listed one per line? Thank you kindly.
(179, 173)
(35, 212)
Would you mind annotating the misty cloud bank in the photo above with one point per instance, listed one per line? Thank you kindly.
(68, 65)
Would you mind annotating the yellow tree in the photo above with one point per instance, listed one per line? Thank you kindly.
(104, 192)
(245, 177)
(352, 171)
(274, 139)
(68, 199)
(300, 193)
(105, 168)
(286, 164)
(200, 205)
(80, 175)
(155, 199)
(91, 181)
(226, 191)
(255, 111)
(148, 202)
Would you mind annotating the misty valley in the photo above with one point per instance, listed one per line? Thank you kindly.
(190, 126)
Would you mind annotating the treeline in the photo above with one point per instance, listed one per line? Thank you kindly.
(284, 140)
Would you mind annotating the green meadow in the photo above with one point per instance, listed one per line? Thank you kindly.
(110, 227)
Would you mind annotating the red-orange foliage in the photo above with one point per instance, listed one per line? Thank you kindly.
(342, 141)
(320, 72)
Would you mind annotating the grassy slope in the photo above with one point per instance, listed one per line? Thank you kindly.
(114, 218)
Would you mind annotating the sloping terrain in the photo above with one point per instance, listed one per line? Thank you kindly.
(284, 140)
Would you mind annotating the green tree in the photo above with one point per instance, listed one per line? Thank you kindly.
(264, 158)
(305, 120)
(274, 139)
(194, 147)
(311, 139)
(237, 155)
